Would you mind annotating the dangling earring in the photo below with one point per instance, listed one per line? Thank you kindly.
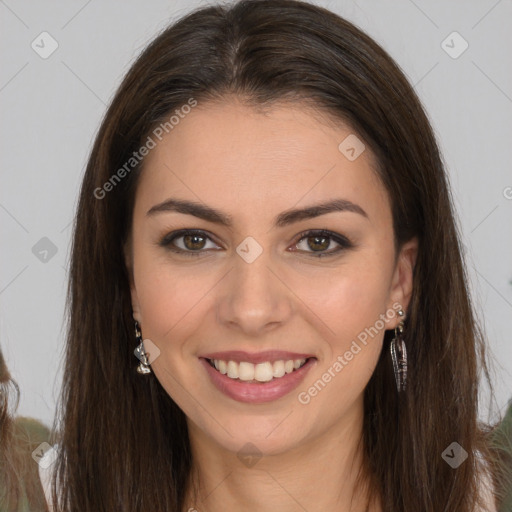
(399, 355)
(140, 353)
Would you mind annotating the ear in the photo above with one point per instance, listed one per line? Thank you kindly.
(402, 281)
(128, 260)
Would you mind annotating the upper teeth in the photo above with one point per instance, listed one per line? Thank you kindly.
(262, 372)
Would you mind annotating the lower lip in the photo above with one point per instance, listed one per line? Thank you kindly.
(258, 392)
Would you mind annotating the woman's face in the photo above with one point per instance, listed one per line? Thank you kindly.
(250, 280)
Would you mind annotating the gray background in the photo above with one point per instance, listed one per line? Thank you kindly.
(51, 109)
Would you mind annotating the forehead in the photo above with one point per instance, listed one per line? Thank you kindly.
(257, 161)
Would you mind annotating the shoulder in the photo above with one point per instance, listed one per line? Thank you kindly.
(32, 425)
(30, 431)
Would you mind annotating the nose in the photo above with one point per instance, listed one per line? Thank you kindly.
(254, 297)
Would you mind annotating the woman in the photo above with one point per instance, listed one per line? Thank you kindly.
(266, 220)
(20, 488)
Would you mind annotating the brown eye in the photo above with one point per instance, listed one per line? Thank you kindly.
(315, 243)
(189, 242)
(319, 241)
(193, 242)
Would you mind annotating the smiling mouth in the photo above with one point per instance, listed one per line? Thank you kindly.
(260, 372)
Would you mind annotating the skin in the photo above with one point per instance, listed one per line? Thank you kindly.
(253, 166)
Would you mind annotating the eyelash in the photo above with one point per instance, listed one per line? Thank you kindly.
(343, 242)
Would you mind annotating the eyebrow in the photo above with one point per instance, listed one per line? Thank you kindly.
(283, 219)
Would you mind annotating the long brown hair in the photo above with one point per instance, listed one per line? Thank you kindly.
(124, 442)
(19, 476)
(9, 400)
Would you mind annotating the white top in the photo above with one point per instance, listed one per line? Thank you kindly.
(45, 473)
(46, 463)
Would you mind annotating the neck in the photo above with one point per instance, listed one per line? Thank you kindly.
(320, 474)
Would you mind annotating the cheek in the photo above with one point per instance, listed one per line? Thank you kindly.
(349, 308)
(169, 299)
(347, 301)
(350, 315)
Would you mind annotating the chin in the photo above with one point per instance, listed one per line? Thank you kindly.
(267, 440)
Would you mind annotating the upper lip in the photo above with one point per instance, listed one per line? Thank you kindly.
(257, 357)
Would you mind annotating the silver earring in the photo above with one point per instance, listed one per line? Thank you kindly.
(399, 355)
(140, 353)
